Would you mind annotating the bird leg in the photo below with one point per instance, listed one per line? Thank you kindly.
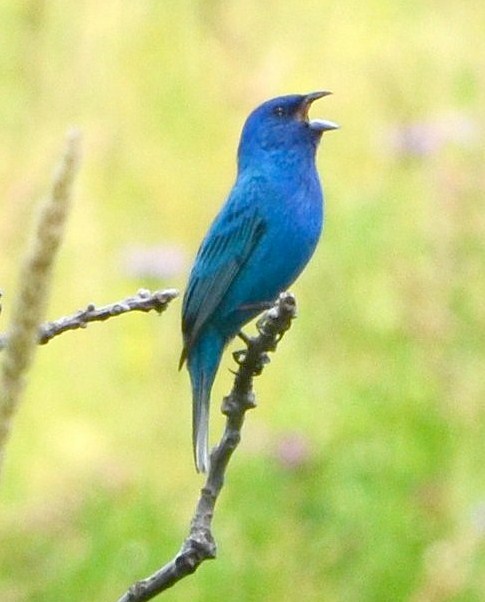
(259, 307)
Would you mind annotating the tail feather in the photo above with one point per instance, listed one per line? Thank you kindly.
(200, 426)
(203, 360)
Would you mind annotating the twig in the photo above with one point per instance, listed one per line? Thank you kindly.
(144, 301)
(34, 286)
(200, 544)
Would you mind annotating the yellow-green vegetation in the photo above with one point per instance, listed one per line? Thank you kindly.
(361, 474)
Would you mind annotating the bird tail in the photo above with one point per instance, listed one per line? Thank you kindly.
(203, 361)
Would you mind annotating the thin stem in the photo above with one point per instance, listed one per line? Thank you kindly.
(144, 301)
(34, 287)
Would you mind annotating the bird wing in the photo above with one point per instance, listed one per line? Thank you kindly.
(226, 248)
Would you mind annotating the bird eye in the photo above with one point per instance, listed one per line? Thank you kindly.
(279, 111)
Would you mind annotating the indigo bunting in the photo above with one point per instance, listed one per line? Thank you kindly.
(257, 245)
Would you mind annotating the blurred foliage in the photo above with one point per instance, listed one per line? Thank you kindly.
(361, 475)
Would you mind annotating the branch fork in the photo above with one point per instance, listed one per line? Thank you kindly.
(200, 544)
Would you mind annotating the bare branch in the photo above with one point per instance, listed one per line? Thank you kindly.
(34, 285)
(144, 301)
(200, 544)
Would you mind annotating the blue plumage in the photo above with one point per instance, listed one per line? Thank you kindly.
(261, 240)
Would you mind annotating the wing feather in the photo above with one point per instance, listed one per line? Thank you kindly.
(226, 248)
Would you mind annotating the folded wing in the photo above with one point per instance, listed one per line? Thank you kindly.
(227, 247)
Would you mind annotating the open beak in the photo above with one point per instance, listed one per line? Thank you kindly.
(319, 125)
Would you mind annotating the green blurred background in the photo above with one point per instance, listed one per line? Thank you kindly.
(360, 476)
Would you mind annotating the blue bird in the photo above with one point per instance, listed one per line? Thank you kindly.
(257, 245)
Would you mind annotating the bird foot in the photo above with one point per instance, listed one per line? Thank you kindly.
(239, 356)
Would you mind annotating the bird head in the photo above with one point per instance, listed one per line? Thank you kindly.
(281, 125)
